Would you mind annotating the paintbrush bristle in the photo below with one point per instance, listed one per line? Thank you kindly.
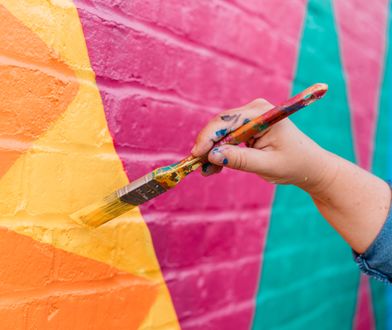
(119, 202)
(136, 193)
(101, 212)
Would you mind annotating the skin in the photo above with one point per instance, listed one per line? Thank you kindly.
(352, 200)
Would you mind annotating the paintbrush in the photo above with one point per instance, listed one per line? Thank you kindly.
(164, 178)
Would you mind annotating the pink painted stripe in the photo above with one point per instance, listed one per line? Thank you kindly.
(364, 318)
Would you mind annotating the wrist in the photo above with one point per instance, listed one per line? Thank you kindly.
(323, 170)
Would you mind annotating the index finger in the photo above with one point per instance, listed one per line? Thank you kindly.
(226, 122)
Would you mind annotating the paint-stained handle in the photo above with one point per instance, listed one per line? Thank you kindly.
(247, 131)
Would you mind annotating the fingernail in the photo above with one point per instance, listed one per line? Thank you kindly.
(218, 156)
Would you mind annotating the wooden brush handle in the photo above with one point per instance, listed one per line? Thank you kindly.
(245, 132)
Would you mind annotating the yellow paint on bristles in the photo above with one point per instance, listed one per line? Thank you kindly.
(112, 206)
(97, 214)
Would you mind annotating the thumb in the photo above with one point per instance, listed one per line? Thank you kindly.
(244, 159)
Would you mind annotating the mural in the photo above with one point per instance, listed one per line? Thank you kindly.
(61, 158)
(96, 93)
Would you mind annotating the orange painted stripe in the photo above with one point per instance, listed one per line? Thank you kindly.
(43, 287)
(36, 88)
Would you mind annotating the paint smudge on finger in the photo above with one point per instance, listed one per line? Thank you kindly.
(221, 133)
(215, 150)
(209, 169)
(205, 167)
(234, 118)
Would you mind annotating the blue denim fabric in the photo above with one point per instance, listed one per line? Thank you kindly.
(376, 261)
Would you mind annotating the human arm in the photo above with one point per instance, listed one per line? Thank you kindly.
(352, 200)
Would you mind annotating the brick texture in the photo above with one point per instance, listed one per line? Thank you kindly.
(164, 68)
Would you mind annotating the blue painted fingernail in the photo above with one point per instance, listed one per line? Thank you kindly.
(225, 161)
(217, 155)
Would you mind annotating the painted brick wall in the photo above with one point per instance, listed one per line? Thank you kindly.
(171, 66)
(96, 93)
(167, 73)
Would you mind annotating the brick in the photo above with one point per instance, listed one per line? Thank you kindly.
(28, 88)
(46, 265)
(212, 24)
(154, 125)
(256, 6)
(43, 287)
(192, 291)
(79, 310)
(16, 250)
(137, 57)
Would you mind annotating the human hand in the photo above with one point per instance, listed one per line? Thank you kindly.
(281, 154)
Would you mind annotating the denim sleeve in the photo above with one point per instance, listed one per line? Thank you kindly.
(376, 261)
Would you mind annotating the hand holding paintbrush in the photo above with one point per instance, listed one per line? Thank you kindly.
(355, 202)
(164, 178)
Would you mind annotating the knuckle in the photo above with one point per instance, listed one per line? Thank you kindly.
(261, 103)
(240, 161)
(200, 137)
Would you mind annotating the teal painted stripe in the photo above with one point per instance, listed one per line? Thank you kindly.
(388, 88)
(308, 279)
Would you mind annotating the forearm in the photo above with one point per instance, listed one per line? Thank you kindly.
(352, 200)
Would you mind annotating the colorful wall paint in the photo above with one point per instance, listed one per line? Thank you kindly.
(95, 93)
(62, 157)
